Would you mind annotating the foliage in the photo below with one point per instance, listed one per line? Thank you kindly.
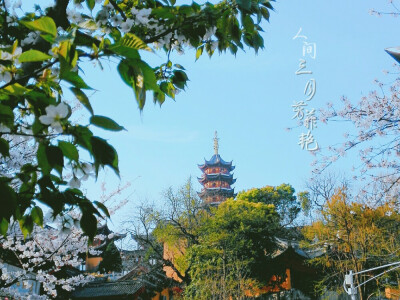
(282, 197)
(42, 56)
(112, 261)
(221, 250)
(234, 250)
(354, 236)
(170, 231)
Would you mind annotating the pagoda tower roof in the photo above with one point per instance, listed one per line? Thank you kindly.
(216, 160)
(218, 176)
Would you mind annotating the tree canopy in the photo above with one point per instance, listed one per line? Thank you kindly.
(216, 252)
(354, 236)
(282, 197)
(42, 55)
(234, 249)
(112, 261)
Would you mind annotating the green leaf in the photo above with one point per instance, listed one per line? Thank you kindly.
(159, 97)
(37, 215)
(126, 72)
(26, 225)
(179, 66)
(103, 208)
(3, 226)
(131, 70)
(49, 38)
(69, 150)
(150, 80)
(42, 159)
(33, 55)
(168, 89)
(16, 89)
(105, 123)
(75, 80)
(244, 4)
(55, 158)
(4, 148)
(82, 136)
(125, 51)
(90, 4)
(44, 24)
(81, 96)
(265, 13)
(199, 52)
(6, 115)
(179, 79)
(248, 23)
(89, 225)
(131, 41)
(267, 4)
(8, 200)
(104, 154)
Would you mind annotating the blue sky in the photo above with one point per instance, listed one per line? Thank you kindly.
(248, 100)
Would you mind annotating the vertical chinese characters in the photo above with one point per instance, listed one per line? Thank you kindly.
(300, 108)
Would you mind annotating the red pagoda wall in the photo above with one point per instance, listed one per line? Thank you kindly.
(216, 184)
(216, 170)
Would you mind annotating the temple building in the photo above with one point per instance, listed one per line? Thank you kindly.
(216, 178)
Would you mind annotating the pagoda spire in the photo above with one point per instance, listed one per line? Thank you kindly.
(216, 139)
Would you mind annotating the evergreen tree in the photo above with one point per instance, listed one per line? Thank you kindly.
(111, 259)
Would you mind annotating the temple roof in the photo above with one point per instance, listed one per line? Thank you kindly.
(216, 160)
(217, 191)
(219, 176)
(109, 289)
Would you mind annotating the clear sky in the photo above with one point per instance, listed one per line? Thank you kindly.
(248, 100)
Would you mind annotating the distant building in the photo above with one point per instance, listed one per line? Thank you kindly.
(216, 178)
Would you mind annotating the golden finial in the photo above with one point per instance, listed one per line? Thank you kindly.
(216, 143)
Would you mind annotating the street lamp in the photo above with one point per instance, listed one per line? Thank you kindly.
(348, 283)
(394, 52)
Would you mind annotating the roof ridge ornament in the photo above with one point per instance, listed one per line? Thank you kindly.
(216, 139)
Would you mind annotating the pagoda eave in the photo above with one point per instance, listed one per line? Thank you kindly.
(217, 191)
(219, 176)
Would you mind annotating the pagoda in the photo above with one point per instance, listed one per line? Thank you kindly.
(216, 178)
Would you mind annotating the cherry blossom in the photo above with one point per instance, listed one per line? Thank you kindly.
(74, 183)
(53, 116)
(4, 129)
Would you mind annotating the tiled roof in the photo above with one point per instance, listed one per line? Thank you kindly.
(110, 289)
(215, 161)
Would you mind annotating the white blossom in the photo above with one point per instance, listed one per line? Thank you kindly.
(53, 116)
(127, 25)
(4, 55)
(214, 46)
(141, 15)
(74, 183)
(5, 76)
(30, 38)
(117, 20)
(210, 32)
(102, 17)
(4, 129)
(74, 16)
